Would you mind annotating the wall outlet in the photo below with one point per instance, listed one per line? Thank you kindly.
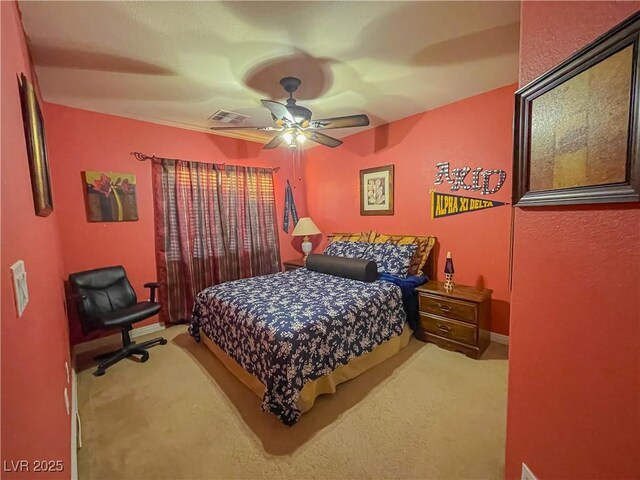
(527, 474)
(20, 289)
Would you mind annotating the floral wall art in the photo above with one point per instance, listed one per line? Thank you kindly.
(376, 191)
(110, 197)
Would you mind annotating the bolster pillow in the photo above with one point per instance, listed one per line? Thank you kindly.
(353, 268)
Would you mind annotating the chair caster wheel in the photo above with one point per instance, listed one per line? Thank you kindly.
(163, 341)
(99, 372)
(144, 357)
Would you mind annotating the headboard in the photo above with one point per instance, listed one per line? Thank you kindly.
(432, 260)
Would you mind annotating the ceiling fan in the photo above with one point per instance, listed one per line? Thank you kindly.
(294, 124)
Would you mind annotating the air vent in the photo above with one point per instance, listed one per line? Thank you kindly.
(225, 116)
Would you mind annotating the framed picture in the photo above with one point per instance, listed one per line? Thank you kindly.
(376, 191)
(36, 148)
(110, 197)
(576, 126)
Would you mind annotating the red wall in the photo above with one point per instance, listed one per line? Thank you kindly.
(80, 140)
(574, 362)
(35, 347)
(474, 132)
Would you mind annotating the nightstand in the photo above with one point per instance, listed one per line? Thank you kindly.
(458, 321)
(293, 264)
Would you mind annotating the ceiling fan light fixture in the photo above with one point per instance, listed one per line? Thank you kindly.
(294, 138)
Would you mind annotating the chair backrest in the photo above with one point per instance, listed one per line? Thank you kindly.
(104, 290)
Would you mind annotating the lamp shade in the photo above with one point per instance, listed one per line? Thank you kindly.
(448, 266)
(305, 226)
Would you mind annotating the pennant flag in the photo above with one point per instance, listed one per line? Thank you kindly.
(289, 207)
(445, 204)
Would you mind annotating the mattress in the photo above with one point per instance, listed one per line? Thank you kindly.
(325, 384)
(288, 329)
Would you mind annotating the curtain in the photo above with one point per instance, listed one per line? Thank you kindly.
(213, 223)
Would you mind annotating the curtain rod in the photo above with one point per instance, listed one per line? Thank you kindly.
(143, 157)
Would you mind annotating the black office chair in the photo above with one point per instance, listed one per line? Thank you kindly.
(106, 300)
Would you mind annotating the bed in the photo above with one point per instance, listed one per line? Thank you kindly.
(292, 336)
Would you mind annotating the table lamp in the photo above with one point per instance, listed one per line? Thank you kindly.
(448, 273)
(305, 227)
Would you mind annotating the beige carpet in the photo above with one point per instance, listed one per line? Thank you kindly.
(426, 413)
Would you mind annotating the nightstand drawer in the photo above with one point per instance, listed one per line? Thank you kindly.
(459, 331)
(449, 307)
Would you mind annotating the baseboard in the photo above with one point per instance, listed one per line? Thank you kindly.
(499, 338)
(115, 339)
(153, 328)
(74, 423)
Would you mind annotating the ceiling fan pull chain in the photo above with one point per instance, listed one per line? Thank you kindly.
(293, 162)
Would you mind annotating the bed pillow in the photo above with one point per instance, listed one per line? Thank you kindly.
(348, 249)
(392, 258)
(353, 268)
(419, 260)
(352, 237)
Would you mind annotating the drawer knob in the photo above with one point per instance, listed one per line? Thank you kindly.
(444, 328)
(444, 308)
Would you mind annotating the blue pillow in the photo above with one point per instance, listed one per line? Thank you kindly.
(392, 258)
(348, 249)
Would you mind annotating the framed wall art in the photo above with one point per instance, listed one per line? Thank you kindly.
(576, 126)
(110, 197)
(376, 191)
(36, 148)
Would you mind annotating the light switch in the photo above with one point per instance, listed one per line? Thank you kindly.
(20, 289)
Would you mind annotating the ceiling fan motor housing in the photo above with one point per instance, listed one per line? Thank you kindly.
(299, 113)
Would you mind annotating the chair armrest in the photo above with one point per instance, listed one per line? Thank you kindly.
(152, 290)
(79, 299)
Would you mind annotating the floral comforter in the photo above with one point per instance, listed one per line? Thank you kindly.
(290, 328)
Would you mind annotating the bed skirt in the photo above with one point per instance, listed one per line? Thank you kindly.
(322, 385)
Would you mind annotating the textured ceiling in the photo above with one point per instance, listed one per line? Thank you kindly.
(178, 62)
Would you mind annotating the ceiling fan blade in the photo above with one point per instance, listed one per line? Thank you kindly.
(360, 120)
(275, 141)
(278, 110)
(268, 129)
(325, 140)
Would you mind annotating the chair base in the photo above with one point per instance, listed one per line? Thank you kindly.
(128, 349)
